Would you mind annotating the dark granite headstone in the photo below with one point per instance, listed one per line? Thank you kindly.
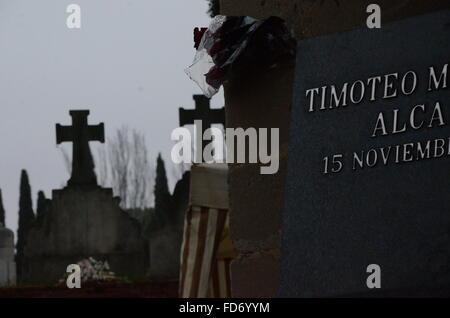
(345, 207)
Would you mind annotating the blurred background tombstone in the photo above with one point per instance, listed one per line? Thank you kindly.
(166, 233)
(7, 264)
(83, 220)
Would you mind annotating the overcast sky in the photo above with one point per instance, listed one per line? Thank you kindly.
(126, 64)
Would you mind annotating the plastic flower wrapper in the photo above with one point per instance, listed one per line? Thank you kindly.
(203, 61)
(239, 45)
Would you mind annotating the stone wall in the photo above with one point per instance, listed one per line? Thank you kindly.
(256, 200)
(264, 100)
(165, 246)
(82, 222)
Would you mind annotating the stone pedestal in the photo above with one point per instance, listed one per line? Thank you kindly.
(7, 264)
(81, 222)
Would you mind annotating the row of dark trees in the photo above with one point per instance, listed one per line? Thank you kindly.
(2, 210)
(26, 215)
(163, 198)
(26, 219)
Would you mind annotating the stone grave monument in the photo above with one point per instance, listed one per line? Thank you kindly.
(83, 219)
(367, 195)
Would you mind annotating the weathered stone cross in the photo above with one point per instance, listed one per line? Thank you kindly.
(204, 113)
(80, 133)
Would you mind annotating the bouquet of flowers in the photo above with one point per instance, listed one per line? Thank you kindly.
(93, 270)
(238, 45)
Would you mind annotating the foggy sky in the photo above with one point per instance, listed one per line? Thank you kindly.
(126, 64)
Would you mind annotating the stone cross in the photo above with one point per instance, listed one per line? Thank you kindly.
(204, 113)
(80, 133)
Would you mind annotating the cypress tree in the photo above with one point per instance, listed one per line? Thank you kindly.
(162, 194)
(40, 204)
(26, 219)
(2, 210)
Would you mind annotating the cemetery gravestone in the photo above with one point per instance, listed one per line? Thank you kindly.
(7, 264)
(165, 241)
(204, 113)
(369, 158)
(83, 220)
(80, 133)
